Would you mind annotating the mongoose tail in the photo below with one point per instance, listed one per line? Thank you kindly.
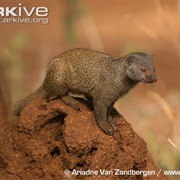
(21, 103)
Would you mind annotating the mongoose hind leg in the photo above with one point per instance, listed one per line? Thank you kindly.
(51, 98)
(70, 101)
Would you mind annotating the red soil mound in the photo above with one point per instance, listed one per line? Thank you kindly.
(51, 140)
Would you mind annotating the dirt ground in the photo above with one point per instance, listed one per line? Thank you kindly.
(51, 140)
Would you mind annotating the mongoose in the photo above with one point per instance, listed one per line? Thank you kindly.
(96, 75)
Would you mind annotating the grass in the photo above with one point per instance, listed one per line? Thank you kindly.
(156, 118)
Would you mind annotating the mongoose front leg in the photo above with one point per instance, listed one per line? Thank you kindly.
(112, 112)
(70, 101)
(100, 110)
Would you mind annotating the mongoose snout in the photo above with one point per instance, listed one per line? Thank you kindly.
(150, 79)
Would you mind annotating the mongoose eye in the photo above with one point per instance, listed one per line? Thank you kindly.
(143, 69)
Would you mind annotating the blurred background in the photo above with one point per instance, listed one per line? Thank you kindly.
(116, 27)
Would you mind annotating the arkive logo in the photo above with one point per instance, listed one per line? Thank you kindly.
(23, 11)
(22, 14)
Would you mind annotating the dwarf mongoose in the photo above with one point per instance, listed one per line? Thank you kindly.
(95, 75)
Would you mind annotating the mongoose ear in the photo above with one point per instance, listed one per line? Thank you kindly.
(130, 59)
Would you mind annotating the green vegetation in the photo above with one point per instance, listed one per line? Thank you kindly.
(14, 65)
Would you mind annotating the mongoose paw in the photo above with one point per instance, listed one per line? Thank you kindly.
(112, 122)
(75, 106)
(70, 101)
(106, 127)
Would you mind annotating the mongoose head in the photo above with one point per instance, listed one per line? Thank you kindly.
(141, 67)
